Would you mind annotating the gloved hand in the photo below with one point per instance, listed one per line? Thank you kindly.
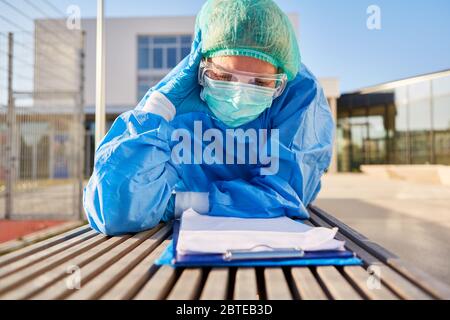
(183, 80)
(180, 88)
(169, 214)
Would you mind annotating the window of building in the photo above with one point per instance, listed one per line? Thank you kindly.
(162, 52)
(419, 122)
(407, 125)
(441, 120)
(157, 55)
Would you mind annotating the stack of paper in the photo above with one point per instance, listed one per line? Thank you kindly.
(201, 234)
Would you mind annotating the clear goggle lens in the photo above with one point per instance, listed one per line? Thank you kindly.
(215, 72)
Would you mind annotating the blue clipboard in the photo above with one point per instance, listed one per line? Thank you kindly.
(317, 258)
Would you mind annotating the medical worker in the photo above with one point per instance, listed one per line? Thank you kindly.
(244, 74)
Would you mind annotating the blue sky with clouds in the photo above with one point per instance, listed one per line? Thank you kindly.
(414, 36)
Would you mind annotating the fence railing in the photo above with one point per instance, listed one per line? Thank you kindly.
(42, 131)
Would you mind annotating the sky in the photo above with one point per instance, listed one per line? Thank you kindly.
(334, 39)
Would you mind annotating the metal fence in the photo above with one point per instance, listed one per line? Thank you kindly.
(41, 112)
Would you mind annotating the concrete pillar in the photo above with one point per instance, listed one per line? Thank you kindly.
(332, 92)
(34, 161)
(334, 161)
(100, 103)
(51, 152)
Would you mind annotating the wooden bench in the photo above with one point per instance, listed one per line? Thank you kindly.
(123, 268)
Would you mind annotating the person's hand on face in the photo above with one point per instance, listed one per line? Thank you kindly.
(178, 85)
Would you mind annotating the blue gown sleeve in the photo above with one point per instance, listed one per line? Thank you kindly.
(132, 182)
(306, 132)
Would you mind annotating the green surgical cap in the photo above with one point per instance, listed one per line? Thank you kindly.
(252, 28)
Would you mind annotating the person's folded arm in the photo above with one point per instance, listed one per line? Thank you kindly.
(133, 179)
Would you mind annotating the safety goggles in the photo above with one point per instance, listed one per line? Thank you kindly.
(215, 72)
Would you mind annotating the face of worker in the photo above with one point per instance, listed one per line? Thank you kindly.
(246, 64)
(237, 104)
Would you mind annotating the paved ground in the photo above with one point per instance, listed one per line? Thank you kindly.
(11, 230)
(411, 220)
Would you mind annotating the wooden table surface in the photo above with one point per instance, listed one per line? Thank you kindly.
(82, 264)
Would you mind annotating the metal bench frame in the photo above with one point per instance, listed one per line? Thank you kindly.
(81, 264)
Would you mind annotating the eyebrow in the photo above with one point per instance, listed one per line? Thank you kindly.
(220, 68)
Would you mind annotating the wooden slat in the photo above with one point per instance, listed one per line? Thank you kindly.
(35, 271)
(159, 285)
(276, 285)
(394, 281)
(187, 286)
(371, 247)
(436, 288)
(307, 285)
(35, 249)
(111, 275)
(129, 285)
(31, 288)
(35, 237)
(367, 258)
(44, 254)
(216, 285)
(380, 294)
(336, 284)
(245, 287)
(59, 289)
(115, 268)
(401, 286)
(359, 277)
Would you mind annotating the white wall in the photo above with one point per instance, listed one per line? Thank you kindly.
(56, 66)
(121, 55)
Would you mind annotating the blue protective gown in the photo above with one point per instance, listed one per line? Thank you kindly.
(135, 177)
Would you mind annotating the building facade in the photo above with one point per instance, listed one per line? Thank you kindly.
(139, 53)
(404, 122)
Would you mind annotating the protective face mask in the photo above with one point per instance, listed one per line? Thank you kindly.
(235, 103)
